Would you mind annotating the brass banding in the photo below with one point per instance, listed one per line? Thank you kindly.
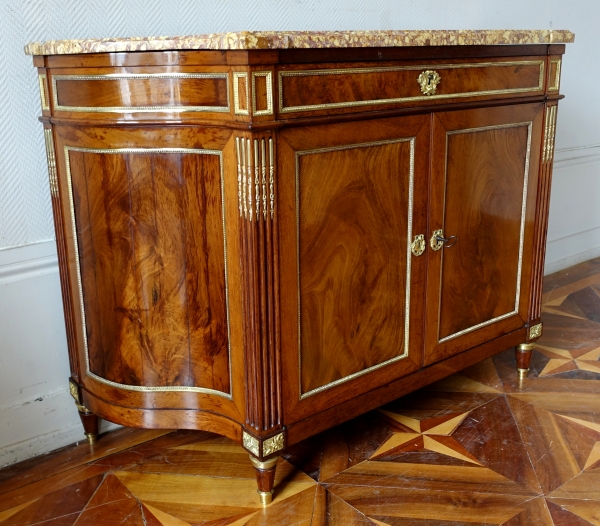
(43, 98)
(237, 75)
(269, 80)
(139, 388)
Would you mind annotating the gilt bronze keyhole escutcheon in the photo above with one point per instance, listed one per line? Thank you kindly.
(428, 80)
(438, 240)
(418, 245)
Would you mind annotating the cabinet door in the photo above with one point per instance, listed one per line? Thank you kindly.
(483, 186)
(352, 198)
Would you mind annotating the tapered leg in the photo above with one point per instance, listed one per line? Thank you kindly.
(265, 478)
(524, 353)
(90, 426)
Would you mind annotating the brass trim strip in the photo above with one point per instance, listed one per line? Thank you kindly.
(410, 140)
(239, 173)
(546, 134)
(271, 178)
(264, 177)
(529, 125)
(122, 151)
(256, 179)
(51, 159)
(313, 72)
(136, 109)
(243, 142)
(269, 82)
(249, 168)
(42, 85)
(556, 85)
(236, 93)
(552, 133)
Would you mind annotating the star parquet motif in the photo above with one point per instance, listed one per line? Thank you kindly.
(478, 448)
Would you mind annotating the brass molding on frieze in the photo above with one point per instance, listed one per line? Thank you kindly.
(74, 232)
(263, 448)
(43, 87)
(394, 100)
(237, 109)
(51, 160)
(269, 93)
(535, 331)
(556, 85)
(256, 198)
(140, 76)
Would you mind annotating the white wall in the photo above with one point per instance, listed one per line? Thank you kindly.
(33, 355)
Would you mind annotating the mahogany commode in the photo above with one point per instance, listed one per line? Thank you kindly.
(264, 235)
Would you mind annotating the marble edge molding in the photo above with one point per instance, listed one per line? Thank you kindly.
(248, 40)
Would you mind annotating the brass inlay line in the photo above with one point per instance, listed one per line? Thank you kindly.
(51, 159)
(552, 133)
(133, 109)
(249, 168)
(239, 173)
(546, 135)
(411, 141)
(556, 85)
(359, 71)
(121, 151)
(264, 178)
(271, 178)
(257, 179)
(521, 233)
(269, 82)
(42, 85)
(237, 75)
(243, 141)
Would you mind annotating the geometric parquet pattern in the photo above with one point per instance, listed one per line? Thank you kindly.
(478, 448)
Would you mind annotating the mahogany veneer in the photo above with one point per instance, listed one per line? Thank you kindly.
(264, 244)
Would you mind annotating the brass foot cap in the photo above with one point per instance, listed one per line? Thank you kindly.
(522, 373)
(266, 497)
(92, 438)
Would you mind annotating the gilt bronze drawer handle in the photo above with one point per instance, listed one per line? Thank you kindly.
(428, 80)
(418, 245)
(438, 240)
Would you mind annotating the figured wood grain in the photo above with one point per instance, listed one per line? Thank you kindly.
(484, 171)
(142, 92)
(353, 214)
(485, 176)
(351, 89)
(155, 303)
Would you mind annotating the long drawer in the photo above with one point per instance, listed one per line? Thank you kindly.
(335, 88)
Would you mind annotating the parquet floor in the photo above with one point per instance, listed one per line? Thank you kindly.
(477, 448)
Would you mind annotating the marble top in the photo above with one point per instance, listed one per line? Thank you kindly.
(246, 40)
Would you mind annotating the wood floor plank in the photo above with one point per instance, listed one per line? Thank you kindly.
(36, 469)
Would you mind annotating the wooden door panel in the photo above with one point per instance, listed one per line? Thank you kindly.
(353, 290)
(352, 294)
(150, 232)
(484, 162)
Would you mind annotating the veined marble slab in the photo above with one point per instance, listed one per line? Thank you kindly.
(246, 40)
